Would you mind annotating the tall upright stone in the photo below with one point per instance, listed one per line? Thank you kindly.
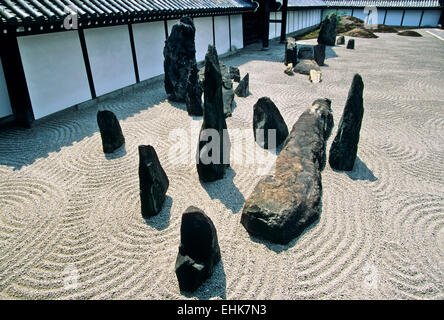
(345, 146)
(243, 89)
(180, 59)
(193, 97)
(327, 34)
(351, 44)
(153, 182)
(319, 54)
(213, 155)
(110, 131)
(291, 51)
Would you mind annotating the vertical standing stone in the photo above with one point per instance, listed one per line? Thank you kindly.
(351, 44)
(291, 52)
(193, 97)
(327, 34)
(242, 89)
(341, 40)
(319, 54)
(235, 74)
(345, 146)
(305, 53)
(110, 131)
(214, 144)
(153, 182)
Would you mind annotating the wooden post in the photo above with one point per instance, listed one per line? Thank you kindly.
(266, 27)
(284, 21)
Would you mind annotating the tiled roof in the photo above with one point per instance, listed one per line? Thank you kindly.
(21, 12)
(306, 3)
(385, 3)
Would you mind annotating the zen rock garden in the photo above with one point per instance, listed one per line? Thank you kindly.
(283, 204)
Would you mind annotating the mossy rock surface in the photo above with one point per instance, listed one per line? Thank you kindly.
(409, 33)
(361, 33)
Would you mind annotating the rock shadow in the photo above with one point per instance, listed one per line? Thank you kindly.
(161, 221)
(118, 153)
(360, 172)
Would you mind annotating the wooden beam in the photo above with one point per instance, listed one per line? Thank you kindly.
(266, 26)
(133, 51)
(284, 21)
(87, 63)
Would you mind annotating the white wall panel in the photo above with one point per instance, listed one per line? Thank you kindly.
(237, 33)
(109, 51)
(222, 33)
(411, 18)
(55, 71)
(393, 17)
(5, 104)
(204, 36)
(359, 13)
(381, 15)
(149, 40)
(430, 18)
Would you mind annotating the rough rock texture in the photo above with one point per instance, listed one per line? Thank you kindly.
(341, 40)
(153, 181)
(327, 34)
(282, 206)
(319, 54)
(361, 33)
(193, 97)
(304, 67)
(345, 146)
(409, 33)
(289, 69)
(214, 152)
(199, 250)
(243, 89)
(266, 117)
(315, 76)
(305, 53)
(235, 74)
(180, 56)
(291, 51)
(351, 44)
(227, 87)
(110, 130)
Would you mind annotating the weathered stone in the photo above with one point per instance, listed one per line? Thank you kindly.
(214, 144)
(327, 34)
(242, 89)
(341, 40)
(110, 131)
(315, 76)
(235, 74)
(193, 97)
(289, 69)
(199, 250)
(319, 54)
(304, 67)
(351, 44)
(153, 182)
(345, 146)
(180, 56)
(305, 53)
(282, 206)
(291, 52)
(267, 117)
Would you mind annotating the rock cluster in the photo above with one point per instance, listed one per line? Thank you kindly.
(304, 67)
(110, 131)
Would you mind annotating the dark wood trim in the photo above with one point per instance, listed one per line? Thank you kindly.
(284, 21)
(87, 63)
(266, 27)
(353, 11)
(214, 32)
(133, 51)
(165, 24)
(385, 16)
(229, 30)
(16, 80)
(420, 20)
(402, 19)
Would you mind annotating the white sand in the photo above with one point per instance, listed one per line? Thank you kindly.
(67, 211)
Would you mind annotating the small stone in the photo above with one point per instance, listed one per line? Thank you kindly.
(235, 74)
(199, 250)
(153, 182)
(289, 69)
(351, 44)
(319, 54)
(291, 52)
(327, 33)
(341, 40)
(110, 131)
(305, 53)
(304, 67)
(242, 89)
(315, 76)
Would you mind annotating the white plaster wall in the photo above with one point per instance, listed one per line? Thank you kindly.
(171, 23)
(204, 36)
(412, 18)
(5, 104)
(54, 70)
(222, 34)
(149, 41)
(237, 33)
(430, 18)
(109, 51)
(359, 13)
(272, 29)
(381, 14)
(393, 17)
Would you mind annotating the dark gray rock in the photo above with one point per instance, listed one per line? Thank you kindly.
(213, 155)
(242, 89)
(283, 205)
(235, 74)
(305, 53)
(193, 97)
(341, 40)
(319, 54)
(345, 146)
(153, 182)
(351, 44)
(291, 52)
(304, 67)
(267, 117)
(327, 34)
(180, 57)
(110, 131)
(199, 250)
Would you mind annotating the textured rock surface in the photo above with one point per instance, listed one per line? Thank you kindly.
(199, 250)
(327, 34)
(341, 40)
(319, 54)
(110, 131)
(282, 206)
(351, 44)
(291, 52)
(193, 97)
(266, 117)
(304, 66)
(180, 57)
(315, 76)
(153, 182)
(243, 89)
(235, 74)
(305, 53)
(214, 151)
(345, 146)
(289, 69)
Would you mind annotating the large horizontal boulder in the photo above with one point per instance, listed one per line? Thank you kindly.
(283, 205)
(110, 131)
(304, 67)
